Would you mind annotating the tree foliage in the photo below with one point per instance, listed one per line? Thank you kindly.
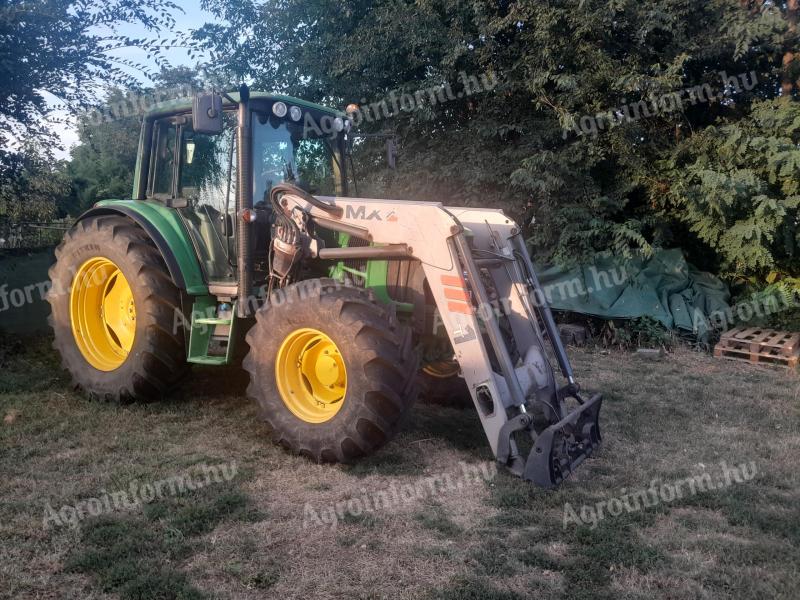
(103, 163)
(737, 186)
(564, 130)
(609, 124)
(40, 191)
(62, 53)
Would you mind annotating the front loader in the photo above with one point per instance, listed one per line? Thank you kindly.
(241, 236)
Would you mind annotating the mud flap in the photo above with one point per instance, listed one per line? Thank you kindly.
(562, 447)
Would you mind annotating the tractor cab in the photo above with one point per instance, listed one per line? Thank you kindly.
(192, 163)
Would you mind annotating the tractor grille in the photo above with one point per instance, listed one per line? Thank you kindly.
(399, 280)
(358, 264)
(399, 275)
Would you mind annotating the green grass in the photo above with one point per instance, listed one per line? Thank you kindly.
(435, 518)
(469, 588)
(134, 555)
(129, 557)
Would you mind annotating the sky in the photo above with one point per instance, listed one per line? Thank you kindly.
(192, 18)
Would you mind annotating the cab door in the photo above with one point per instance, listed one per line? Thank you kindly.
(195, 173)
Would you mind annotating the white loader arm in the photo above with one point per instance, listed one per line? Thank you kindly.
(498, 340)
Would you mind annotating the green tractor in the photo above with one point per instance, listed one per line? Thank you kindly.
(241, 238)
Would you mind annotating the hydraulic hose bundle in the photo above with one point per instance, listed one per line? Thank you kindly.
(287, 236)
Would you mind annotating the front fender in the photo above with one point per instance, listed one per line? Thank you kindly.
(165, 228)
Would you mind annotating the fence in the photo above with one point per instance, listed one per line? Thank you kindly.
(26, 253)
(32, 235)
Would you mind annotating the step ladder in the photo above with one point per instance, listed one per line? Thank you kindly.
(208, 331)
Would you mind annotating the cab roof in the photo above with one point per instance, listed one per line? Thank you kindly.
(185, 104)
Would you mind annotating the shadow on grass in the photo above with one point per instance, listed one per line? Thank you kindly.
(136, 555)
(461, 429)
(215, 382)
(386, 462)
(19, 358)
(473, 588)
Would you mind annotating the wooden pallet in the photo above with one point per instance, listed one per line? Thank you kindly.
(757, 345)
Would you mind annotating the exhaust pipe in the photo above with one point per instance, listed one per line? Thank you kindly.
(244, 201)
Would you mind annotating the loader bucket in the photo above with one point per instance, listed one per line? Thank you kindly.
(563, 446)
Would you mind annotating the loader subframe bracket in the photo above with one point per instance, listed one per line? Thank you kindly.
(571, 390)
(563, 446)
(507, 454)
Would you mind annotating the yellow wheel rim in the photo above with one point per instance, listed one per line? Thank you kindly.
(311, 375)
(102, 314)
(442, 369)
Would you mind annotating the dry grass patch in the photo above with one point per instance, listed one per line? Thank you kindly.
(492, 537)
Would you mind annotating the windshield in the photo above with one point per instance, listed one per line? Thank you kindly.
(283, 151)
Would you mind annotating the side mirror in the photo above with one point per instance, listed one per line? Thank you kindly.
(207, 113)
(391, 153)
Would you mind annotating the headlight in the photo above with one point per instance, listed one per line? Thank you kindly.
(295, 113)
(338, 124)
(279, 109)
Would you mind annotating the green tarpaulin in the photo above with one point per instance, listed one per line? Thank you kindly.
(664, 287)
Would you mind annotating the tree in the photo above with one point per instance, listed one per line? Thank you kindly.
(62, 51)
(103, 163)
(40, 192)
(592, 120)
(737, 187)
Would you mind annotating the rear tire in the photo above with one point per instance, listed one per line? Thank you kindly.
(440, 383)
(152, 359)
(376, 371)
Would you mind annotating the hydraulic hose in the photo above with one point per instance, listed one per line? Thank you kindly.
(288, 188)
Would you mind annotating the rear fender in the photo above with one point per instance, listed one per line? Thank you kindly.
(165, 228)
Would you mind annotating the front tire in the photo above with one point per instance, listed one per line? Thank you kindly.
(113, 312)
(332, 372)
